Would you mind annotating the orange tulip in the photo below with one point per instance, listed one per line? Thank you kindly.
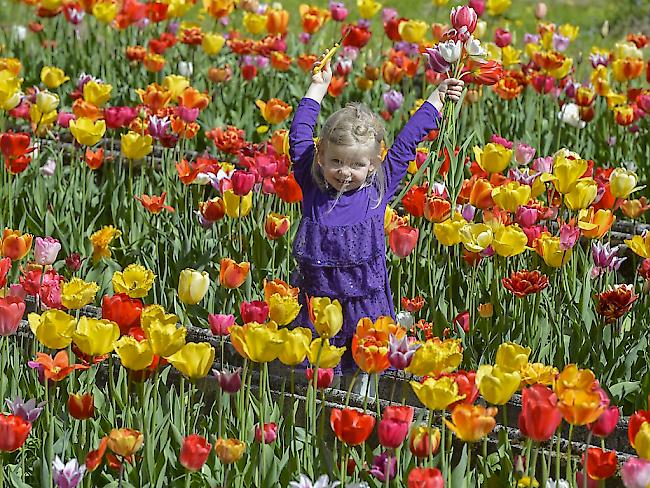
(312, 18)
(154, 204)
(337, 85)
(232, 274)
(370, 343)
(280, 61)
(213, 210)
(277, 21)
(471, 423)
(624, 115)
(275, 110)
(391, 73)
(627, 69)
(82, 108)
(125, 442)
(183, 129)
(287, 188)
(508, 87)
(155, 97)
(58, 367)
(306, 61)
(95, 159)
(481, 194)
(276, 226)
(192, 98)
(154, 62)
(280, 287)
(14, 244)
(436, 209)
(595, 224)
(278, 141)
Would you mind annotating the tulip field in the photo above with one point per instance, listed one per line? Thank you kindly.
(161, 326)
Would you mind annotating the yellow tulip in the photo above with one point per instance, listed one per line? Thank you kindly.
(413, 30)
(254, 23)
(153, 313)
(86, 132)
(497, 385)
(97, 93)
(640, 245)
(77, 293)
(260, 343)
(194, 360)
(570, 31)
(237, 206)
(176, 85)
(512, 357)
(178, 8)
(509, 241)
(136, 146)
(497, 7)
(534, 373)
(642, 441)
(9, 88)
(330, 355)
(53, 328)
(493, 158)
(476, 237)
(166, 340)
(562, 71)
(481, 29)
(41, 120)
(448, 232)
(212, 43)
(135, 281)
(622, 182)
(105, 11)
(95, 337)
(46, 102)
(511, 195)
(567, 170)
(435, 357)
(582, 195)
(627, 50)
(326, 315)
(53, 77)
(296, 345)
(437, 394)
(510, 56)
(368, 8)
(192, 286)
(549, 248)
(134, 355)
(283, 309)
(531, 49)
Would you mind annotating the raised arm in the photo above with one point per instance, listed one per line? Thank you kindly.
(301, 133)
(427, 118)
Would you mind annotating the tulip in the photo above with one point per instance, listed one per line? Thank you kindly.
(368, 8)
(15, 244)
(450, 50)
(600, 464)
(136, 146)
(551, 251)
(509, 241)
(283, 310)
(101, 240)
(192, 286)
(95, 337)
(229, 450)
(219, 323)
(493, 158)
(636, 473)
(212, 43)
(229, 382)
(28, 410)
(512, 357)
(274, 111)
(393, 100)
(384, 467)
(270, 433)
(242, 182)
(615, 302)
(511, 196)
(123, 310)
(400, 353)
(67, 475)
(425, 478)
(53, 328)
(13, 432)
(403, 240)
(325, 377)
(435, 357)
(236, 206)
(134, 355)
(261, 343)
(53, 77)
(502, 38)
(135, 281)
(435, 61)
(11, 313)
(622, 182)
(55, 368)
(472, 422)
(193, 360)
(476, 237)
(351, 426)
(640, 245)
(330, 355)
(296, 344)
(539, 417)
(77, 293)
(437, 394)
(326, 316)
(81, 407)
(232, 274)
(46, 250)
(255, 311)
(125, 442)
(165, 338)
(412, 30)
(583, 194)
(46, 102)
(194, 452)
(569, 114)
(496, 384)
(448, 232)
(465, 16)
(276, 225)
(424, 441)
(394, 426)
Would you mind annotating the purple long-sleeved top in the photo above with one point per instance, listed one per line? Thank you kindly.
(341, 253)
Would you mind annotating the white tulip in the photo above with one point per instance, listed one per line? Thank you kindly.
(450, 50)
(570, 114)
(185, 68)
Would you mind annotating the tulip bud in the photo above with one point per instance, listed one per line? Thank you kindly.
(229, 382)
(486, 310)
(270, 433)
(255, 311)
(325, 377)
(192, 286)
(424, 442)
(81, 407)
(606, 423)
(541, 10)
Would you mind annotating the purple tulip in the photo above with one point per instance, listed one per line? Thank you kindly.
(27, 410)
(400, 352)
(338, 11)
(468, 212)
(388, 14)
(435, 61)
(393, 100)
(158, 126)
(384, 465)
(605, 258)
(560, 42)
(304, 37)
(523, 177)
(408, 48)
(599, 60)
(229, 382)
(531, 38)
(67, 475)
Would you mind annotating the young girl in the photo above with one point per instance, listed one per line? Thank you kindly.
(340, 247)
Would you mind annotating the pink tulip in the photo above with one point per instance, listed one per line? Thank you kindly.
(255, 311)
(403, 239)
(219, 323)
(325, 377)
(242, 182)
(606, 423)
(46, 250)
(526, 216)
(524, 153)
(11, 312)
(541, 10)
(338, 11)
(478, 6)
(569, 235)
(463, 17)
(270, 433)
(636, 473)
(502, 37)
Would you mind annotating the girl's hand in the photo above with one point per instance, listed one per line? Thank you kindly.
(324, 76)
(451, 87)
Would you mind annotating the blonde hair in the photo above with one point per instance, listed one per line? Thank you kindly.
(352, 125)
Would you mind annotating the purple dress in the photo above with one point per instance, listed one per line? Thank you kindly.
(341, 253)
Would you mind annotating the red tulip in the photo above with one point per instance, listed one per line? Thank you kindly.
(636, 421)
(13, 432)
(413, 200)
(424, 441)
(403, 239)
(242, 182)
(356, 36)
(11, 312)
(606, 423)
(5, 267)
(502, 37)
(539, 417)
(600, 464)
(123, 310)
(255, 311)
(351, 426)
(287, 188)
(270, 433)
(466, 381)
(325, 377)
(394, 426)
(194, 452)
(425, 478)
(81, 407)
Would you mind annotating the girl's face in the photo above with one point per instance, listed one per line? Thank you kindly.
(347, 168)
